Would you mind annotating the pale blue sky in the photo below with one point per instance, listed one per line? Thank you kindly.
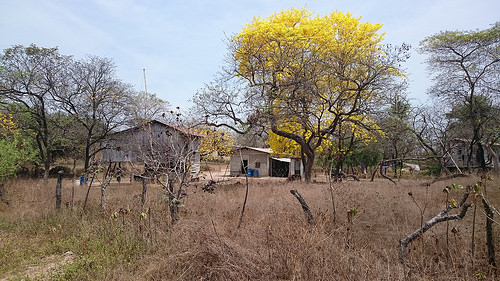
(181, 43)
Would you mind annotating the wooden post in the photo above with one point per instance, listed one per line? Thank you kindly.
(489, 233)
(58, 189)
(144, 190)
(173, 202)
(2, 196)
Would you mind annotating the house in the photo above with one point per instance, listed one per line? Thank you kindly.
(458, 155)
(155, 143)
(260, 162)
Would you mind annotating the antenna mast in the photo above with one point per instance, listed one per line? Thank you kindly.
(145, 87)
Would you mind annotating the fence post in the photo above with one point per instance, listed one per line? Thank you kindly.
(144, 190)
(58, 189)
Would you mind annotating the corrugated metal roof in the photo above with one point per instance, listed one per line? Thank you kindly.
(173, 126)
(288, 160)
(263, 150)
(267, 151)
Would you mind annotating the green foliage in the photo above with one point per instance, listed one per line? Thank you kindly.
(479, 274)
(433, 170)
(457, 186)
(353, 212)
(15, 151)
(455, 38)
(369, 155)
(54, 172)
(68, 105)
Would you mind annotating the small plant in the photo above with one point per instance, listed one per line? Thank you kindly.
(453, 203)
(351, 214)
(421, 209)
(479, 274)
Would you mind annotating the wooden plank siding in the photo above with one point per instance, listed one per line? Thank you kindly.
(154, 141)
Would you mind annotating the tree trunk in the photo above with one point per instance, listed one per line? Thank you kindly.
(489, 233)
(46, 166)
(173, 203)
(375, 170)
(87, 156)
(104, 194)
(244, 200)
(494, 159)
(308, 165)
(442, 164)
(88, 144)
(58, 190)
(73, 173)
(88, 191)
(308, 162)
(480, 157)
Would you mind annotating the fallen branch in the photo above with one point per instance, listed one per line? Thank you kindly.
(441, 217)
(354, 177)
(382, 174)
(449, 177)
(303, 203)
(386, 177)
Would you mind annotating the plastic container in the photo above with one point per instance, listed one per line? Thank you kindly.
(249, 172)
(256, 173)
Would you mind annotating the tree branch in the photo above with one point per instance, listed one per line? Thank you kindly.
(441, 217)
(305, 207)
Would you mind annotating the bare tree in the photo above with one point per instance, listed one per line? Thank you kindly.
(148, 106)
(466, 66)
(172, 160)
(432, 130)
(96, 99)
(394, 120)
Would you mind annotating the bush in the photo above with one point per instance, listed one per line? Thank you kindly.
(54, 171)
(432, 170)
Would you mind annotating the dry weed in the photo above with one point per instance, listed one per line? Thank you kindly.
(275, 242)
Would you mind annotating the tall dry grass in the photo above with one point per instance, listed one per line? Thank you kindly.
(274, 242)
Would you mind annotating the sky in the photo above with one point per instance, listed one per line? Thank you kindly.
(181, 44)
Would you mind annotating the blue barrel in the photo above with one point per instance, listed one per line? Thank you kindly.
(82, 180)
(256, 173)
(249, 172)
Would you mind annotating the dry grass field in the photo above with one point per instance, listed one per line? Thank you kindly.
(274, 242)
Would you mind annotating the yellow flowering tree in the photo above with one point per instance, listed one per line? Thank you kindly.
(300, 77)
(15, 150)
(215, 143)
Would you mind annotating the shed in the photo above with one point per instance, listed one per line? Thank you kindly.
(262, 161)
(154, 143)
(459, 154)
